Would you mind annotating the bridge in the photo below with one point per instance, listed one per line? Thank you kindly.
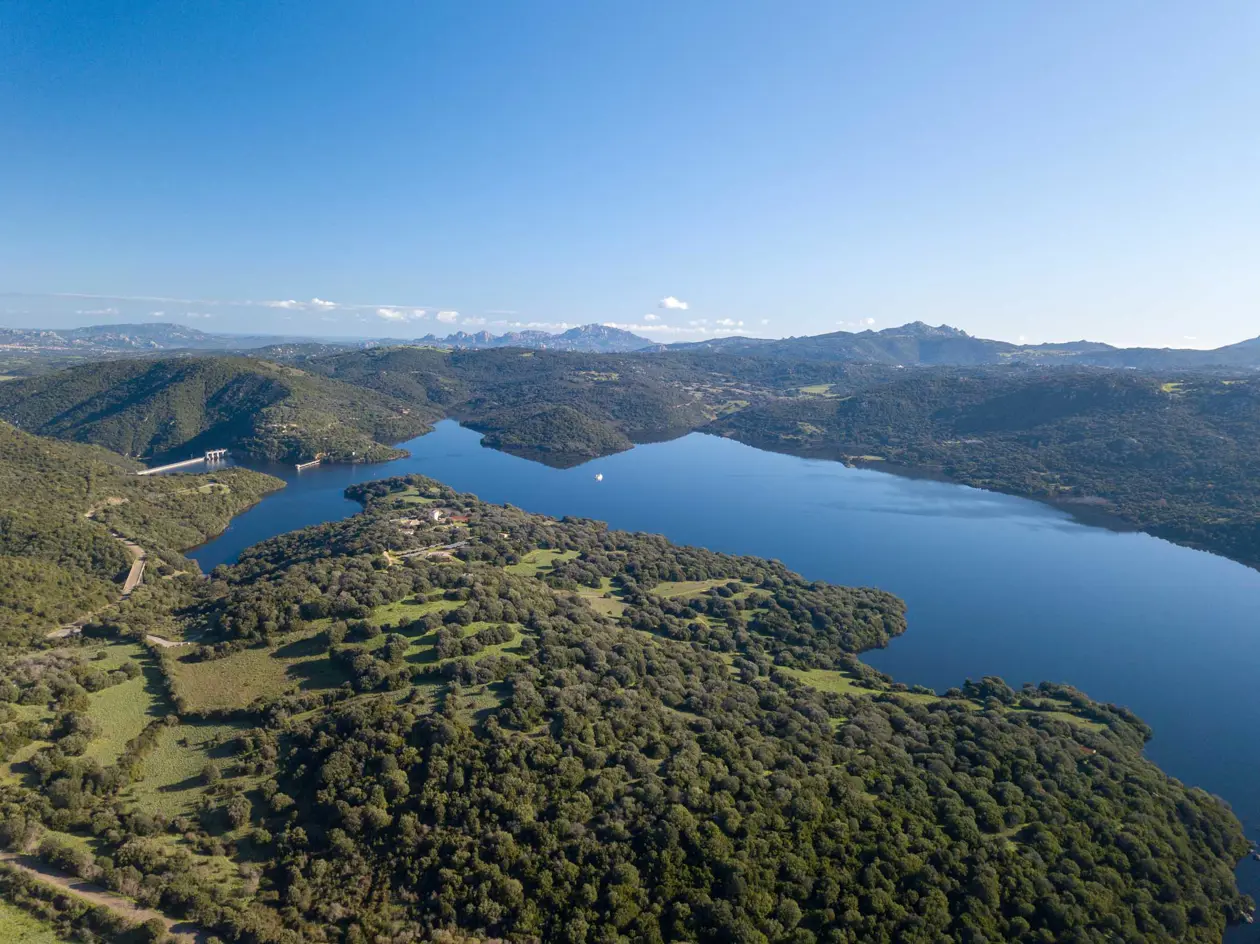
(212, 455)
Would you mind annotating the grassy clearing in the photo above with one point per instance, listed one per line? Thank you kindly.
(605, 600)
(828, 680)
(412, 496)
(122, 711)
(114, 655)
(404, 611)
(424, 648)
(171, 783)
(14, 770)
(17, 927)
(207, 489)
(686, 588)
(833, 680)
(1067, 716)
(243, 677)
(538, 562)
(817, 390)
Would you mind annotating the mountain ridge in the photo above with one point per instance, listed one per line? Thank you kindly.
(915, 343)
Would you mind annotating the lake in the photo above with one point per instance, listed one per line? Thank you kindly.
(995, 585)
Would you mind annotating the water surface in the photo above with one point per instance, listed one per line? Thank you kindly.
(994, 584)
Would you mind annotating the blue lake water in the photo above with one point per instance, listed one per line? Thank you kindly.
(995, 585)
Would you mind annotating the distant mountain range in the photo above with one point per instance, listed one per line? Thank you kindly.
(912, 344)
(922, 344)
(140, 338)
(591, 338)
(106, 339)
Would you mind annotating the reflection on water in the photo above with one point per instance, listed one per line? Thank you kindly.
(995, 584)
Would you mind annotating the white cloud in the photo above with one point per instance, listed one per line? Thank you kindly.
(198, 314)
(661, 329)
(447, 317)
(292, 304)
(698, 322)
(862, 323)
(97, 311)
(157, 314)
(474, 322)
(669, 301)
(728, 323)
(537, 325)
(401, 314)
(765, 321)
(651, 317)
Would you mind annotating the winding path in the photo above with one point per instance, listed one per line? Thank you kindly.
(139, 559)
(182, 931)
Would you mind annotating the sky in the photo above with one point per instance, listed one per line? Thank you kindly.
(1044, 171)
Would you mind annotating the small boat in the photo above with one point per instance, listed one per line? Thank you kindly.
(599, 476)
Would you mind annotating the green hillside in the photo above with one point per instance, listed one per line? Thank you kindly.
(503, 726)
(177, 407)
(65, 510)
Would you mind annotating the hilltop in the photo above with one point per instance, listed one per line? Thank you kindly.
(175, 408)
(920, 344)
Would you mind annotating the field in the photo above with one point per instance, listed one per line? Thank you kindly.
(171, 775)
(686, 588)
(599, 602)
(122, 711)
(537, 562)
(411, 496)
(17, 927)
(828, 680)
(235, 682)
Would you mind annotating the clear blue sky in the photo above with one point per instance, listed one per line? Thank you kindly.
(1044, 170)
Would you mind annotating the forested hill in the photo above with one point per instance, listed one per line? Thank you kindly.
(562, 408)
(499, 725)
(178, 407)
(1174, 453)
(919, 344)
(1179, 457)
(65, 511)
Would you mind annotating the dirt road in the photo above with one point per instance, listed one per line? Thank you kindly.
(181, 931)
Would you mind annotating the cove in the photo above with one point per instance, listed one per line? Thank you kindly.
(995, 585)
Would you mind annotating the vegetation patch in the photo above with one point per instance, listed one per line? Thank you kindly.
(686, 588)
(540, 561)
(172, 781)
(17, 927)
(262, 673)
(121, 712)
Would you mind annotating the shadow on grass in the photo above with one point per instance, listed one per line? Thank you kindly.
(303, 648)
(317, 673)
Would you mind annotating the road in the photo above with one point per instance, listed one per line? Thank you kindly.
(181, 931)
(138, 561)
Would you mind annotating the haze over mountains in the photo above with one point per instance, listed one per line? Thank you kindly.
(911, 344)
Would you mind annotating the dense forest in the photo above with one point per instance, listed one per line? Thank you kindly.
(68, 511)
(442, 719)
